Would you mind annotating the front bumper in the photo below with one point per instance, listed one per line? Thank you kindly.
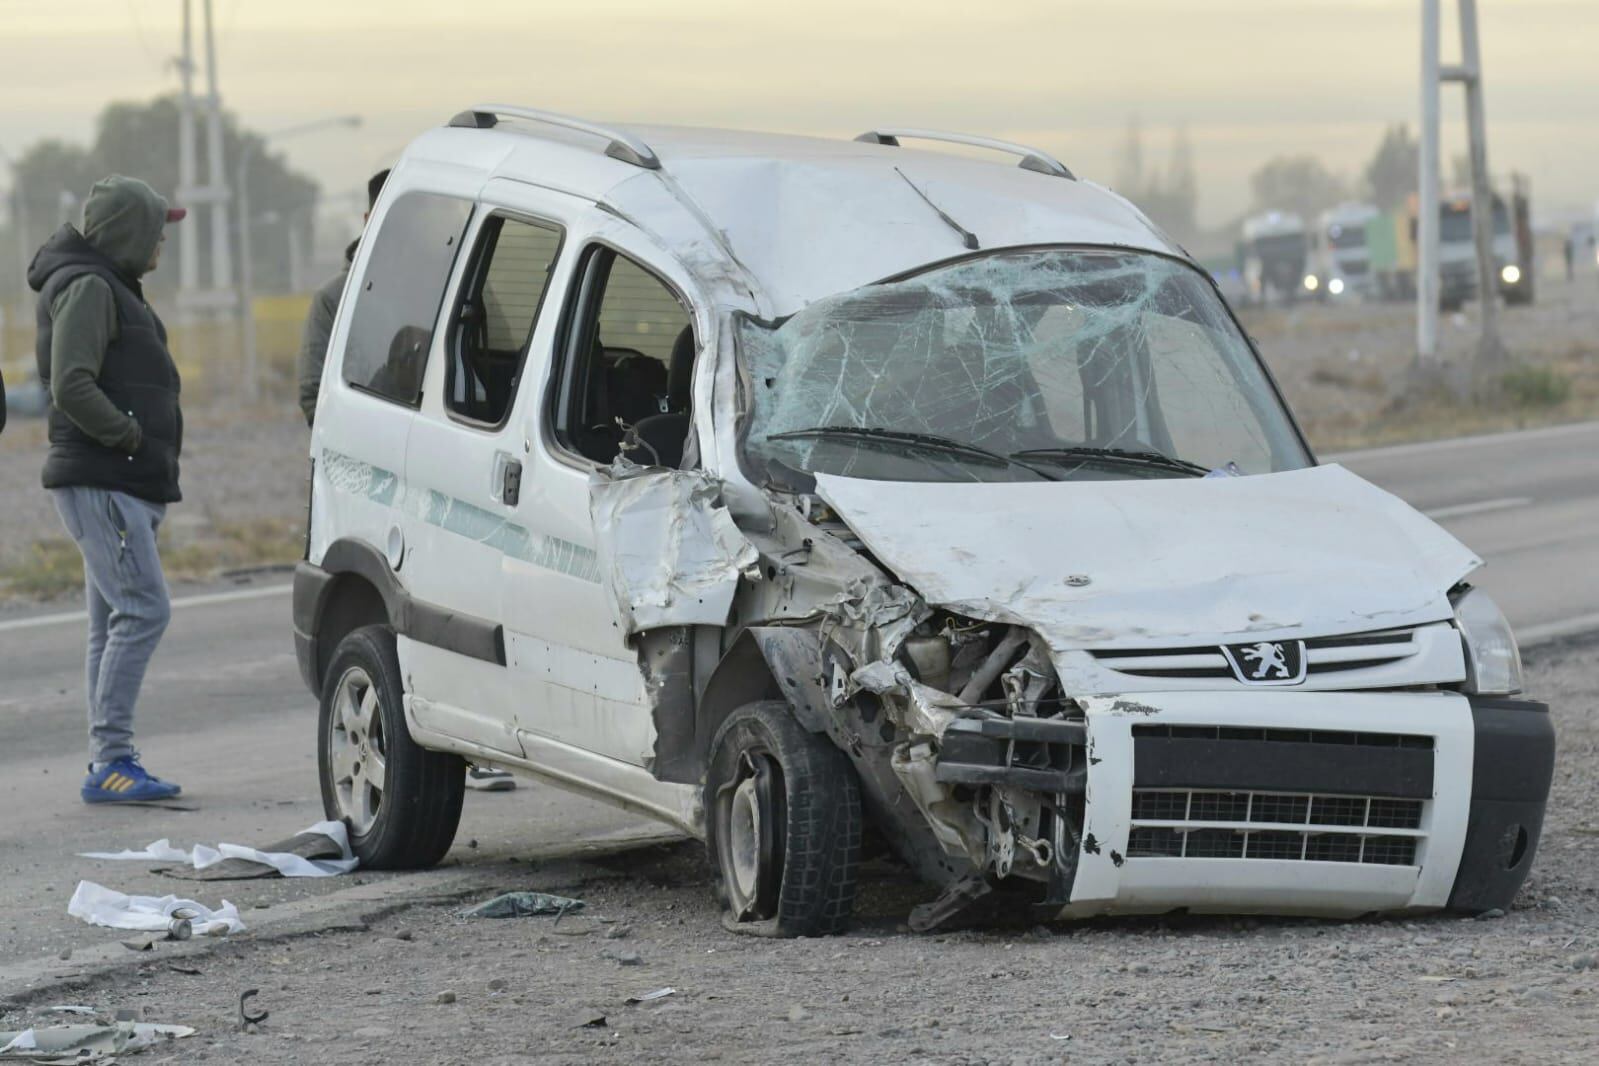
(1319, 803)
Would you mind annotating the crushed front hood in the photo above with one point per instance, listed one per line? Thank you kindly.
(1163, 563)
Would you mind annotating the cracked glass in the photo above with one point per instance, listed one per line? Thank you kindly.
(1067, 363)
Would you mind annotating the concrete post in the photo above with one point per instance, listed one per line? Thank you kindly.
(1491, 358)
(1427, 197)
(188, 236)
(221, 250)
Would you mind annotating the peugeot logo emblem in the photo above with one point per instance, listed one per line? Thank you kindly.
(1267, 662)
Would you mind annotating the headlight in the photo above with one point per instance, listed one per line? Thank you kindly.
(1493, 662)
(1336, 286)
(1511, 274)
(1312, 282)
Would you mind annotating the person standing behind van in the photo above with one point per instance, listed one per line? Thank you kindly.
(319, 323)
(116, 431)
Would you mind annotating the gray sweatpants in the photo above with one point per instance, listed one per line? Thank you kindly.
(127, 600)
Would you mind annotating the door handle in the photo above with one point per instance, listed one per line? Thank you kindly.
(510, 482)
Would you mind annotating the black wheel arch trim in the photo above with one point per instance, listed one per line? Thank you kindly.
(762, 663)
(440, 627)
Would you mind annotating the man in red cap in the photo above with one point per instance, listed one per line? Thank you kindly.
(115, 433)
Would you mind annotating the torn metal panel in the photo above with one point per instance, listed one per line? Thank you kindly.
(1170, 562)
(923, 710)
(669, 552)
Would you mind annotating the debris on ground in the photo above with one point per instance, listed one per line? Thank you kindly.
(107, 907)
(244, 1012)
(650, 997)
(523, 905)
(321, 850)
(85, 1043)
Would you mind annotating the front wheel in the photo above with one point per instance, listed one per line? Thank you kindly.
(401, 802)
(783, 825)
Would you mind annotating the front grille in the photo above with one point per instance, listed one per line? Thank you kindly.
(1286, 736)
(1323, 655)
(1301, 827)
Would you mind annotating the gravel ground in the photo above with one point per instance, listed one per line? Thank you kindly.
(1342, 367)
(423, 985)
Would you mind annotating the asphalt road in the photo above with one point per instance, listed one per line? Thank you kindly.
(1527, 503)
(225, 714)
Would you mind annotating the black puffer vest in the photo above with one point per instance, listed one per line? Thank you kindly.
(138, 375)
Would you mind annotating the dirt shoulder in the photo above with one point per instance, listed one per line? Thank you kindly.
(425, 985)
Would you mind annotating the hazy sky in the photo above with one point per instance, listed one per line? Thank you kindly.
(1248, 78)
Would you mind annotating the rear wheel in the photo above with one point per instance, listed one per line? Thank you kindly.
(400, 802)
(783, 825)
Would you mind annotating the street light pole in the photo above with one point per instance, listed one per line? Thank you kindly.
(252, 384)
(19, 223)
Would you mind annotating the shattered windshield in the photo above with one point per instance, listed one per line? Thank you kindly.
(1041, 364)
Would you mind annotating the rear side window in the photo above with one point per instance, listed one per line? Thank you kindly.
(498, 309)
(397, 304)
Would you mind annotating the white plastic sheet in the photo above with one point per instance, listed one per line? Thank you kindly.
(286, 864)
(107, 907)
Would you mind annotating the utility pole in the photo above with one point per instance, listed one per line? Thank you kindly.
(188, 236)
(221, 248)
(219, 299)
(1491, 356)
(19, 227)
(1427, 200)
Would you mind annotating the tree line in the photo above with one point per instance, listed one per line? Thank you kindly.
(1301, 182)
(141, 140)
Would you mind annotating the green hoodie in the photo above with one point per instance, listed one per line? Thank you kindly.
(123, 219)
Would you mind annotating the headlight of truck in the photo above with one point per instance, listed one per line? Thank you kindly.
(1493, 662)
(1312, 283)
(1511, 274)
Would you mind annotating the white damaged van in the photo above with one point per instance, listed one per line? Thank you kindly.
(822, 497)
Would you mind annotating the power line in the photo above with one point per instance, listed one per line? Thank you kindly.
(144, 42)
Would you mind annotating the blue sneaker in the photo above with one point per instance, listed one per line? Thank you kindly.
(125, 781)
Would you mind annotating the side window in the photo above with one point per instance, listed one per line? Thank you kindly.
(500, 303)
(398, 302)
(628, 366)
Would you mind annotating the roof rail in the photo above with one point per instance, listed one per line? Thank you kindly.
(624, 146)
(1032, 158)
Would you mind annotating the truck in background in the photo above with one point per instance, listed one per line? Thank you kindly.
(1338, 265)
(1271, 256)
(1391, 240)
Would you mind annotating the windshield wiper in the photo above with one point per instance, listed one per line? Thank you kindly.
(929, 441)
(1119, 455)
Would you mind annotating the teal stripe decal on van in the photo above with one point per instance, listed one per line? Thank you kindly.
(461, 518)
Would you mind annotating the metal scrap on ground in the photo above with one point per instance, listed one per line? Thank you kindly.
(523, 905)
(85, 1043)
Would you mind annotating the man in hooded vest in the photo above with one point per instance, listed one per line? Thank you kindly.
(115, 433)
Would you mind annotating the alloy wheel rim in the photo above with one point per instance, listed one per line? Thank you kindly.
(357, 750)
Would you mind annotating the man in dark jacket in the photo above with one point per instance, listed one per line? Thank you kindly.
(115, 434)
(319, 323)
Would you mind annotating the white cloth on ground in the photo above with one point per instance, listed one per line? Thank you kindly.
(107, 907)
(284, 863)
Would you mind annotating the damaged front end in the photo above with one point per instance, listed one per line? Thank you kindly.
(971, 760)
(991, 752)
